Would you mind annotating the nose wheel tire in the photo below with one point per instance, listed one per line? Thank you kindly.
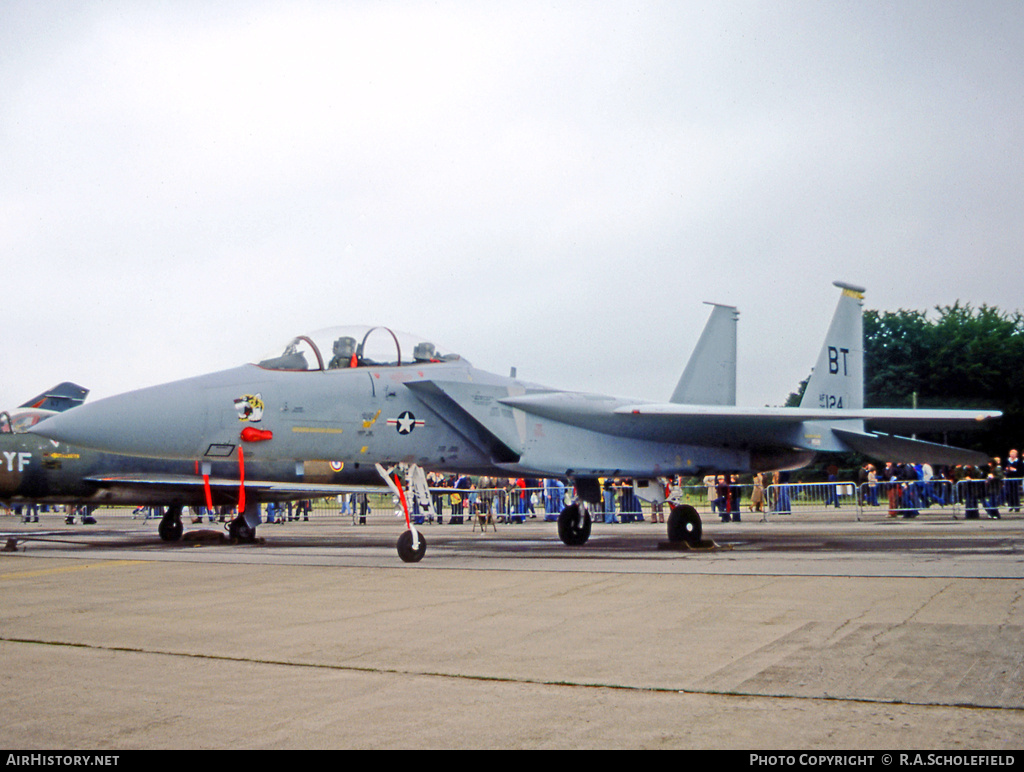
(684, 525)
(405, 550)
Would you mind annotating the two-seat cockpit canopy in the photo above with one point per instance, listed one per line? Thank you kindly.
(337, 348)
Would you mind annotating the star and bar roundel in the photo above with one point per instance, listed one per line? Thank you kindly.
(405, 423)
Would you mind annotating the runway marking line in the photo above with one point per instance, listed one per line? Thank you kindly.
(67, 569)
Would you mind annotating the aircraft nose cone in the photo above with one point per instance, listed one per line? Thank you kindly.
(163, 422)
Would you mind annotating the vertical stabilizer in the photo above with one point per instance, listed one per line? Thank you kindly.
(60, 397)
(837, 381)
(710, 375)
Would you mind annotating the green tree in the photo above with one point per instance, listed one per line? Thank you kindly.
(962, 358)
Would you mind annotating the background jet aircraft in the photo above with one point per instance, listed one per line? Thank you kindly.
(372, 404)
(35, 470)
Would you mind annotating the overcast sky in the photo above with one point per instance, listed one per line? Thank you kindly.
(553, 186)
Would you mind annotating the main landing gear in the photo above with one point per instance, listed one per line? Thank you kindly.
(243, 528)
(170, 528)
(574, 525)
(684, 525)
(239, 530)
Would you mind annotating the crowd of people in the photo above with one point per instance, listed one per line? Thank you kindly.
(912, 487)
(516, 499)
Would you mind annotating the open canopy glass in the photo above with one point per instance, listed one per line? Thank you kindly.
(337, 348)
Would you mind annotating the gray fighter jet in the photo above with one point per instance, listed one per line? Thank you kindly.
(39, 471)
(372, 398)
(35, 470)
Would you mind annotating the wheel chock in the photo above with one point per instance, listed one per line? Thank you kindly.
(705, 545)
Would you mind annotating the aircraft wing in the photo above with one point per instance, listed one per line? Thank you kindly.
(801, 428)
(670, 420)
(820, 429)
(876, 418)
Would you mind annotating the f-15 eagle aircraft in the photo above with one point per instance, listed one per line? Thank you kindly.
(36, 470)
(372, 398)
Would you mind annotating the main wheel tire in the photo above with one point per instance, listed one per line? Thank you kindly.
(240, 530)
(405, 550)
(684, 525)
(170, 529)
(570, 530)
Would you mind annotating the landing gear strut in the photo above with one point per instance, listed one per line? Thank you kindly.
(574, 525)
(170, 528)
(684, 525)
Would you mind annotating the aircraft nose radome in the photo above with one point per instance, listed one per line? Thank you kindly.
(162, 421)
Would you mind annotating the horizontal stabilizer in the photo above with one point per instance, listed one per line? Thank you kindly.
(889, 447)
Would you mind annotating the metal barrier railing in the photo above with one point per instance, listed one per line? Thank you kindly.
(988, 494)
(907, 498)
(897, 498)
(810, 498)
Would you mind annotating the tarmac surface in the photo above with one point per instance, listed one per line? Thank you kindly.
(799, 633)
